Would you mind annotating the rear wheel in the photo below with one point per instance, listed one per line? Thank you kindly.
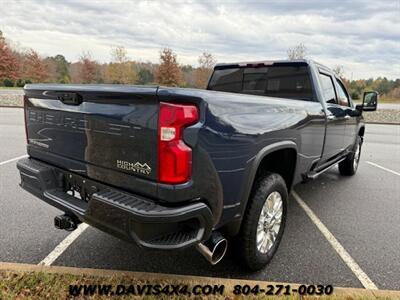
(264, 222)
(349, 166)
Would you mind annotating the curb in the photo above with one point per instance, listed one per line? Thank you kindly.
(382, 123)
(338, 291)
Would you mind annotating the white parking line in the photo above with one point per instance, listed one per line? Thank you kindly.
(61, 247)
(345, 256)
(383, 168)
(12, 159)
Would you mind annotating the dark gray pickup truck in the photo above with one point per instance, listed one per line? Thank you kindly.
(169, 168)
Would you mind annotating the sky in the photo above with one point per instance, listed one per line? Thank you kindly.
(361, 36)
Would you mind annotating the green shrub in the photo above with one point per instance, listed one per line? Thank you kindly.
(20, 83)
(8, 82)
(355, 96)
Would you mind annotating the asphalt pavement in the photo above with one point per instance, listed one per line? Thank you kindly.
(362, 212)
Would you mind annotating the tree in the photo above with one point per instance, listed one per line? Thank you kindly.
(188, 76)
(62, 71)
(383, 85)
(168, 72)
(203, 72)
(297, 52)
(145, 76)
(33, 67)
(51, 68)
(339, 71)
(394, 94)
(74, 70)
(9, 65)
(88, 68)
(121, 70)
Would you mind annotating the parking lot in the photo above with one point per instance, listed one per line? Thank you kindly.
(362, 213)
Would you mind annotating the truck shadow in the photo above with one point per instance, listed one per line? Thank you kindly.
(303, 253)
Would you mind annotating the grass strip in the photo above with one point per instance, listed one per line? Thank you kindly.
(18, 284)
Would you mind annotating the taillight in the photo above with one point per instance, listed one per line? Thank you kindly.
(26, 117)
(174, 156)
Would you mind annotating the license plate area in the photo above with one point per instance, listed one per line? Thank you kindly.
(79, 187)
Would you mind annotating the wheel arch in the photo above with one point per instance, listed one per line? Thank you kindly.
(255, 169)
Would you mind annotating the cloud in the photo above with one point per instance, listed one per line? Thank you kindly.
(363, 36)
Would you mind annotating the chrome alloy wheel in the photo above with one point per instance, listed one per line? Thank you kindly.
(269, 222)
(356, 158)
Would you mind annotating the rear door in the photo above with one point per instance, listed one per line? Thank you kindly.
(94, 129)
(336, 120)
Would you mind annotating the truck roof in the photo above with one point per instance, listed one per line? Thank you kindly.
(269, 62)
(266, 62)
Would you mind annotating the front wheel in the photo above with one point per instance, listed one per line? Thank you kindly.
(264, 222)
(349, 166)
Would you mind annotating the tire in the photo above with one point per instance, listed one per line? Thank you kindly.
(349, 166)
(254, 256)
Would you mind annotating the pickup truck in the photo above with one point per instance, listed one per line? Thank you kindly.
(169, 168)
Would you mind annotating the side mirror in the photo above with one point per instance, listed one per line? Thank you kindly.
(370, 101)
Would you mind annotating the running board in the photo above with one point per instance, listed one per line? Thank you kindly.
(314, 174)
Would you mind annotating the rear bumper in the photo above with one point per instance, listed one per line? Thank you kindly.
(117, 212)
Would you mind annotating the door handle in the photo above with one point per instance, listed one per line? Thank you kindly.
(331, 117)
(347, 117)
(70, 98)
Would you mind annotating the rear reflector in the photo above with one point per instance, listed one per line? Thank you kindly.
(174, 156)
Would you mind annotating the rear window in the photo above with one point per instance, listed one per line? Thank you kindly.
(275, 81)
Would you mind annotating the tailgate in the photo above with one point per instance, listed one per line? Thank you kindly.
(112, 127)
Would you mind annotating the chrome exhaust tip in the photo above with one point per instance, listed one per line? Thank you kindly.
(214, 248)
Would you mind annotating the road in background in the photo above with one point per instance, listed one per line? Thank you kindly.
(11, 91)
(388, 106)
(362, 212)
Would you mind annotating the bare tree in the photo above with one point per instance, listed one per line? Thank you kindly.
(201, 74)
(297, 52)
(119, 54)
(121, 70)
(338, 70)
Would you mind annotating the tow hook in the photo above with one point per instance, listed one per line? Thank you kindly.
(66, 222)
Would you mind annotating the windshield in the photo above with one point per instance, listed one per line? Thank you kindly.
(275, 81)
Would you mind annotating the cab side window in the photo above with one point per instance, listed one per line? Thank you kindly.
(343, 98)
(328, 89)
